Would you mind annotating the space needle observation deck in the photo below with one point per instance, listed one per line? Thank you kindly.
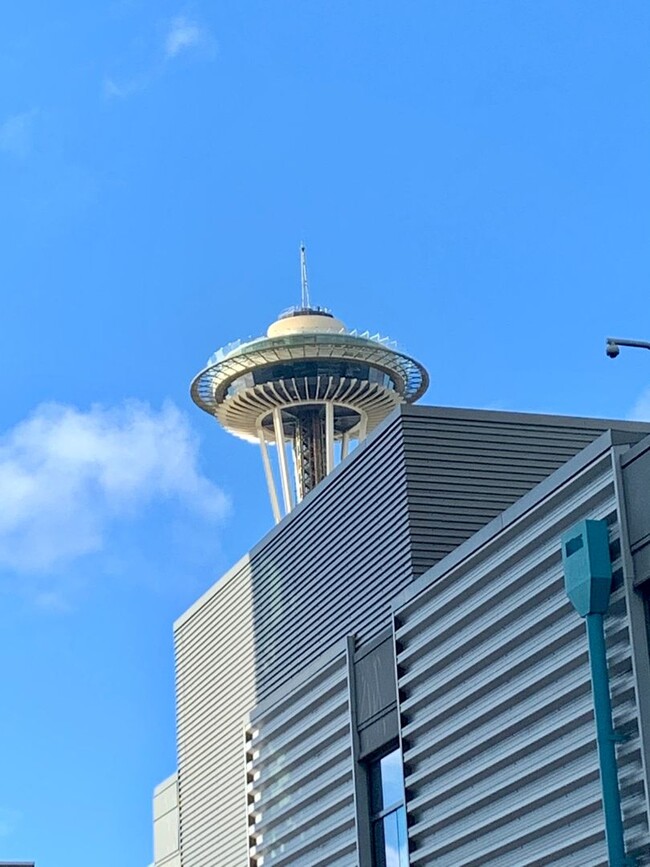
(310, 384)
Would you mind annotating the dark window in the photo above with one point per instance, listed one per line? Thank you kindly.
(388, 811)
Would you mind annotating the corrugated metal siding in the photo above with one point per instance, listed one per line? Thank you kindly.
(300, 775)
(328, 570)
(636, 478)
(465, 467)
(497, 720)
(215, 672)
(340, 562)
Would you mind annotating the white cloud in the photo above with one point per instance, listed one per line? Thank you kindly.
(66, 475)
(183, 35)
(641, 409)
(16, 134)
(120, 89)
(113, 89)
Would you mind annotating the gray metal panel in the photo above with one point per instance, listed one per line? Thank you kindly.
(374, 677)
(636, 483)
(300, 774)
(638, 612)
(464, 467)
(165, 825)
(215, 675)
(379, 733)
(375, 691)
(328, 570)
(497, 721)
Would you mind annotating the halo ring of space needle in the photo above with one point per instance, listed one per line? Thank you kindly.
(310, 382)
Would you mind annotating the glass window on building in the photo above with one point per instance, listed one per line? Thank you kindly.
(388, 811)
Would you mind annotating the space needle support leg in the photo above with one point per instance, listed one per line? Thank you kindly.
(345, 445)
(329, 436)
(282, 459)
(363, 428)
(270, 481)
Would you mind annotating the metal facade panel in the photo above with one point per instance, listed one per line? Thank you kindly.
(636, 481)
(375, 694)
(495, 699)
(165, 796)
(166, 824)
(300, 775)
(329, 569)
(215, 674)
(464, 467)
(374, 677)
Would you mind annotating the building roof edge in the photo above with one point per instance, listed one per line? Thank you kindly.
(590, 454)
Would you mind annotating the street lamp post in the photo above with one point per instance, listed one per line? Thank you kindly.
(614, 345)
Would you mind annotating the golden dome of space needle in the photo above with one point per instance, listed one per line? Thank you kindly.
(309, 383)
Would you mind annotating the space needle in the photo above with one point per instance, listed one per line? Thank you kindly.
(310, 388)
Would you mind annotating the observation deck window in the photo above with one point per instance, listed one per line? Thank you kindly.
(311, 370)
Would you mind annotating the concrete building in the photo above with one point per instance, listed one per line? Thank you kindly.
(394, 675)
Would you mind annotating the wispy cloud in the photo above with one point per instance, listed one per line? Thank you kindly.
(114, 89)
(641, 409)
(67, 475)
(184, 35)
(17, 134)
(181, 36)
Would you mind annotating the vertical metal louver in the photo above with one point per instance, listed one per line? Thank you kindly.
(299, 775)
(496, 709)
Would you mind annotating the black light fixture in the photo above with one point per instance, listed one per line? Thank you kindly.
(614, 345)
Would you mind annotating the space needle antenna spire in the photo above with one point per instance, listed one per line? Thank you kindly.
(303, 277)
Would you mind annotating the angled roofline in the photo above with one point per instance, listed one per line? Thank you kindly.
(589, 455)
(469, 414)
(615, 425)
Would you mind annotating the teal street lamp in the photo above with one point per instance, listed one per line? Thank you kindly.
(588, 582)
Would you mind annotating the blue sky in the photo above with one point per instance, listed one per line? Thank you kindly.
(471, 179)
